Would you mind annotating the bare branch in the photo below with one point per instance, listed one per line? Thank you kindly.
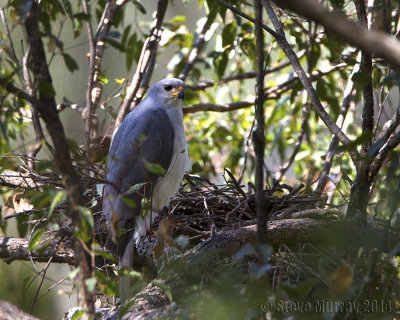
(149, 49)
(204, 84)
(39, 135)
(11, 312)
(245, 16)
(374, 42)
(280, 37)
(381, 153)
(259, 134)
(305, 112)
(16, 91)
(200, 38)
(218, 107)
(389, 127)
(366, 69)
(17, 249)
(90, 96)
(285, 166)
(348, 92)
(271, 93)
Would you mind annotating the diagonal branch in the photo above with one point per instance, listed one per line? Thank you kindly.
(245, 16)
(271, 93)
(381, 153)
(348, 92)
(393, 142)
(149, 50)
(4, 82)
(307, 83)
(197, 46)
(305, 110)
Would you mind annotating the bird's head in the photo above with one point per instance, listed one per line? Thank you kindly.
(169, 91)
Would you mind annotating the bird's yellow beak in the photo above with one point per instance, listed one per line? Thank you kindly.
(177, 90)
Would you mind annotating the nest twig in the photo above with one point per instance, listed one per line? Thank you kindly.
(199, 207)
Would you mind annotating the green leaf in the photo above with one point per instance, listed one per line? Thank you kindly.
(91, 284)
(139, 6)
(125, 35)
(84, 229)
(119, 81)
(154, 168)
(36, 237)
(108, 286)
(164, 288)
(129, 272)
(44, 164)
(41, 199)
(135, 188)
(78, 314)
(220, 63)
(70, 62)
(125, 308)
(105, 254)
(60, 196)
(129, 202)
(361, 78)
(81, 16)
(117, 45)
(47, 89)
(178, 19)
(133, 50)
(228, 34)
(73, 273)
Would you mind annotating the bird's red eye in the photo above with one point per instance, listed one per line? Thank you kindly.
(167, 87)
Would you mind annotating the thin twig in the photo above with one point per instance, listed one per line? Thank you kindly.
(271, 93)
(5, 82)
(204, 84)
(245, 16)
(348, 92)
(90, 95)
(303, 129)
(305, 113)
(8, 35)
(37, 127)
(198, 44)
